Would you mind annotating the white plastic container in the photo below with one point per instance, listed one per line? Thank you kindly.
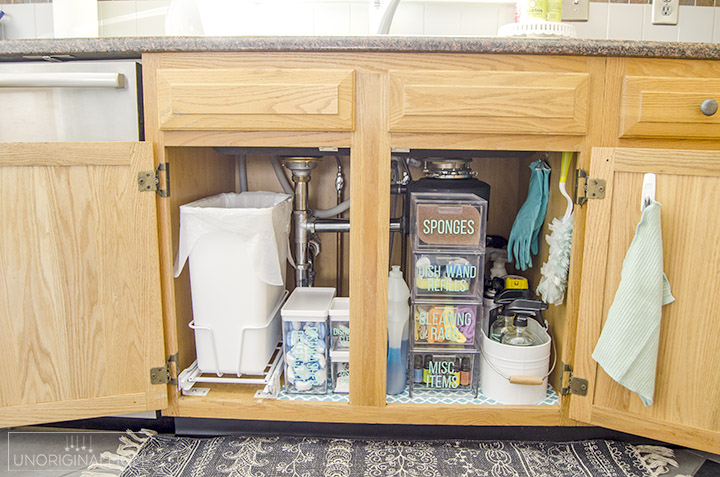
(237, 248)
(340, 360)
(515, 361)
(306, 340)
(340, 323)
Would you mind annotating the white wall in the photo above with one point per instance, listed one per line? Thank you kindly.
(350, 17)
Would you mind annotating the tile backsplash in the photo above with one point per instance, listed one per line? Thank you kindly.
(698, 20)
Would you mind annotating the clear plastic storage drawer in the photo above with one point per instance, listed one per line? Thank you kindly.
(444, 371)
(340, 365)
(340, 323)
(447, 275)
(442, 324)
(448, 221)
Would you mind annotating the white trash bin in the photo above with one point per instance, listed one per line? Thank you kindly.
(237, 246)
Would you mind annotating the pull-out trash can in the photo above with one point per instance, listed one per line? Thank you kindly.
(237, 246)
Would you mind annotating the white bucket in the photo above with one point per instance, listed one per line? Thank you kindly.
(516, 362)
(237, 247)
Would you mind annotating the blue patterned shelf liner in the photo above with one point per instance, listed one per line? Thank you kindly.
(420, 397)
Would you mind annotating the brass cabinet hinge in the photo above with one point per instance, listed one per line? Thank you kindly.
(572, 384)
(163, 374)
(157, 180)
(587, 187)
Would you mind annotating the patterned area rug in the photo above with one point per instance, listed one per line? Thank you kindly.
(246, 456)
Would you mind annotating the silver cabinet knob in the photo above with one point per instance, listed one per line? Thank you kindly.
(709, 107)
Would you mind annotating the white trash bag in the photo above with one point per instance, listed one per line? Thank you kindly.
(237, 245)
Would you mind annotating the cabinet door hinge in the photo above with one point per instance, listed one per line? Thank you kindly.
(587, 187)
(163, 374)
(157, 180)
(572, 384)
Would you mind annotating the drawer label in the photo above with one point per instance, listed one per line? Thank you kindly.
(442, 374)
(441, 224)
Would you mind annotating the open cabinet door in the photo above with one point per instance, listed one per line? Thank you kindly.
(686, 408)
(80, 308)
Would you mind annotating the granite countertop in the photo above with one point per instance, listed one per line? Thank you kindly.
(91, 48)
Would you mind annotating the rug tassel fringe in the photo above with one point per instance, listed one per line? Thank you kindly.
(658, 459)
(130, 445)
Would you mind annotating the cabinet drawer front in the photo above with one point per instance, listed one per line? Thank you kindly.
(256, 99)
(668, 107)
(496, 102)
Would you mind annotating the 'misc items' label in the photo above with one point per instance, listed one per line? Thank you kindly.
(443, 224)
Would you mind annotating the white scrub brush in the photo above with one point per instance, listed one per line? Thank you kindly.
(554, 272)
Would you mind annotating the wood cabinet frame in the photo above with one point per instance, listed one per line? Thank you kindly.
(370, 85)
(370, 145)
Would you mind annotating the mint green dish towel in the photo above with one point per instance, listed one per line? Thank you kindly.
(628, 345)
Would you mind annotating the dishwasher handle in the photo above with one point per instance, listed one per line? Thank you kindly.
(62, 80)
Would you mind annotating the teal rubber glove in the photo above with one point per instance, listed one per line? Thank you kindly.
(523, 228)
(543, 170)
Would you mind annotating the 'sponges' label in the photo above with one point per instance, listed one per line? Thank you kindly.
(443, 224)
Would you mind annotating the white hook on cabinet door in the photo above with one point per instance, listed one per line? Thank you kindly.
(648, 190)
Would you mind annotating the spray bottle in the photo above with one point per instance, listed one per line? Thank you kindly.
(398, 331)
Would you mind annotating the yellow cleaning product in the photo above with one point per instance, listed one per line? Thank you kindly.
(554, 11)
(530, 11)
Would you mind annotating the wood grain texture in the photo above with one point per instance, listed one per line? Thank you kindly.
(564, 319)
(79, 288)
(668, 107)
(257, 138)
(69, 410)
(154, 137)
(487, 142)
(492, 102)
(683, 392)
(373, 61)
(592, 295)
(369, 242)
(256, 99)
(665, 135)
(37, 154)
(228, 401)
(689, 436)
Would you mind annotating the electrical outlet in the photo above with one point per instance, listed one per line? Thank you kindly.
(575, 10)
(665, 12)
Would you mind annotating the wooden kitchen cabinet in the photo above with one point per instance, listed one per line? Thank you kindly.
(506, 102)
(255, 98)
(529, 127)
(373, 102)
(79, 282)
(685, 408)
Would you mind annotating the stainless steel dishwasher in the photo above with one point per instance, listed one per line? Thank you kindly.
(71, 101)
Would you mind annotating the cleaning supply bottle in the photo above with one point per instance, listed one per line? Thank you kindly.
(500, 327)
(519, 334)
(398, 330)
(553, 11)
